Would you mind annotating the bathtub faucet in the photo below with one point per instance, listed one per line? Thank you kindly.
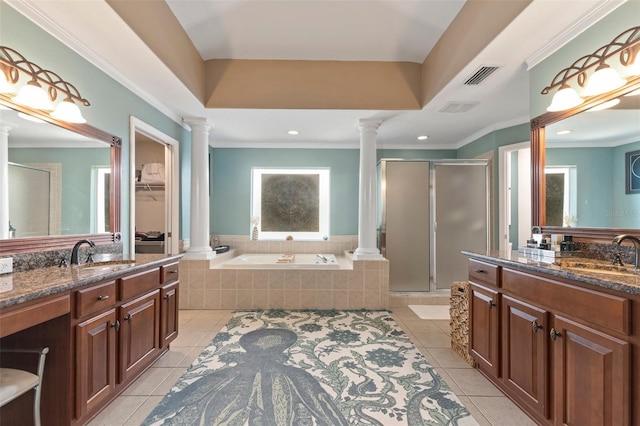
(324, 259)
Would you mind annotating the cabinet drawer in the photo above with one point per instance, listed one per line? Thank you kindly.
(484, 273)
(95, 298)
(134, 285)
(170, 272)
(592, 307)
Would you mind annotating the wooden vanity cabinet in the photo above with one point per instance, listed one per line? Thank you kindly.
(169, 303)
(563, 350)
(120, 328)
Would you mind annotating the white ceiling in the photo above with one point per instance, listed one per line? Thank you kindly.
(379, 30)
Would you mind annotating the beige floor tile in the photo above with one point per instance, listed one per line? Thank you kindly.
(421, 325)
(472, 383)
(191, 356)
(192, 338)
(500, 411)
(143, 411)
(168, 383)
(475, 412)
(447, 358)
(148, 382)
(174, 357)
(435, 339)
(119, 411)
(449, 381)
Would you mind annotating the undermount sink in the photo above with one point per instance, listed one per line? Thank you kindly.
(595, 267)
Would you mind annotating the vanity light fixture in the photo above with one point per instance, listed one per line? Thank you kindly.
(603, 78)
(605, 105)
(14, 66)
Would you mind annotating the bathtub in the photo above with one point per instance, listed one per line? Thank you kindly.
(270, 261)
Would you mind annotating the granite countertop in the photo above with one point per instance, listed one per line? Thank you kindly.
(20, 287)
(627, 282)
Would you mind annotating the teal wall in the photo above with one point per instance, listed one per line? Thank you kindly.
(76, 167)
(625, 212)
(111, 103)
(231, 182)
(491, 143)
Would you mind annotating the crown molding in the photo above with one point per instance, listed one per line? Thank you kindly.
(598, 12)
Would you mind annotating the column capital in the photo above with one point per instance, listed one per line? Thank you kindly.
(369, 124)
(192, 122)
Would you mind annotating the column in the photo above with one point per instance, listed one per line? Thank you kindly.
(199, 208)
(367, 247)
(4, 182)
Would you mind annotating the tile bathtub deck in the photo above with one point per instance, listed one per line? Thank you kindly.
(197, 328)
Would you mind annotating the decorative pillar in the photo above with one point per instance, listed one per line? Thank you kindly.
(367, 247)
(4, 182)
(199, 208)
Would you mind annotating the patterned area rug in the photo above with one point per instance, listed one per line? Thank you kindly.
(310, 368)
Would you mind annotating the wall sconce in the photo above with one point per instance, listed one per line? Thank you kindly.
(604, 78)
(13, 66)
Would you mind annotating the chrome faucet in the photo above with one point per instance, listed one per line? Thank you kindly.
(324, 259)
(636, 243)
(74, 252)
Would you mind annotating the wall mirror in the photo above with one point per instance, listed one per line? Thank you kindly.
(578, 178)
(64, 182)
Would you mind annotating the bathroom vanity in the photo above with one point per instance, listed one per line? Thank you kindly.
(562, 342)
(104, 323)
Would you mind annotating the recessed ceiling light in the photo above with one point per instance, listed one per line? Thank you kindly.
(423, 137)
(563, 132)
(293, 132)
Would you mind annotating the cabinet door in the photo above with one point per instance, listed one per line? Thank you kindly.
(525, 353)
(95, 361)
(484, 331)
(139, 333)
(591, 376)
(168, 314)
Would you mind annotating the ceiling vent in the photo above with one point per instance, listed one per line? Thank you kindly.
(457, 107)
(480, 75)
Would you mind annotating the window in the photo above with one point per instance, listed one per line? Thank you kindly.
(561, 191)
(101, 177)
(291, 203)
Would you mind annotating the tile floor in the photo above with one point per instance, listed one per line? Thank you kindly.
(197, 328)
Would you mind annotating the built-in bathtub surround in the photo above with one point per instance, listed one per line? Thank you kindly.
(357, 285)
(243, 244)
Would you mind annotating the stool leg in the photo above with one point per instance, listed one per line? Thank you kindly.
(36, 406)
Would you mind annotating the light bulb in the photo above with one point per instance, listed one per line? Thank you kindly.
(603, 80)
(69, 112)
(33, 96)
(565, 98)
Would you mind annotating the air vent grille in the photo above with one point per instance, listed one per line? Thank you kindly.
(458, 107)
(480, 75)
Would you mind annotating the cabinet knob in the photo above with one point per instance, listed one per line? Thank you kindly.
(174, 271)
(535, 326)
(491, 304)
(101, 298)
(480, 271)
(128, 318)
(167, 296)
(554, 334)
(116, 325)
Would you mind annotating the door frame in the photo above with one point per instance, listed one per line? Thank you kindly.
(172, 184)
(504, 205)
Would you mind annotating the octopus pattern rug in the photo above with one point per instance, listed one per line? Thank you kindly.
(309, 368)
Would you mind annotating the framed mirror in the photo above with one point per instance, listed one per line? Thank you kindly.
(64, 182)
(579, 178)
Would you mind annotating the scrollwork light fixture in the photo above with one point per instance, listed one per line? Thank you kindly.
(604, 77)
(13, 66)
